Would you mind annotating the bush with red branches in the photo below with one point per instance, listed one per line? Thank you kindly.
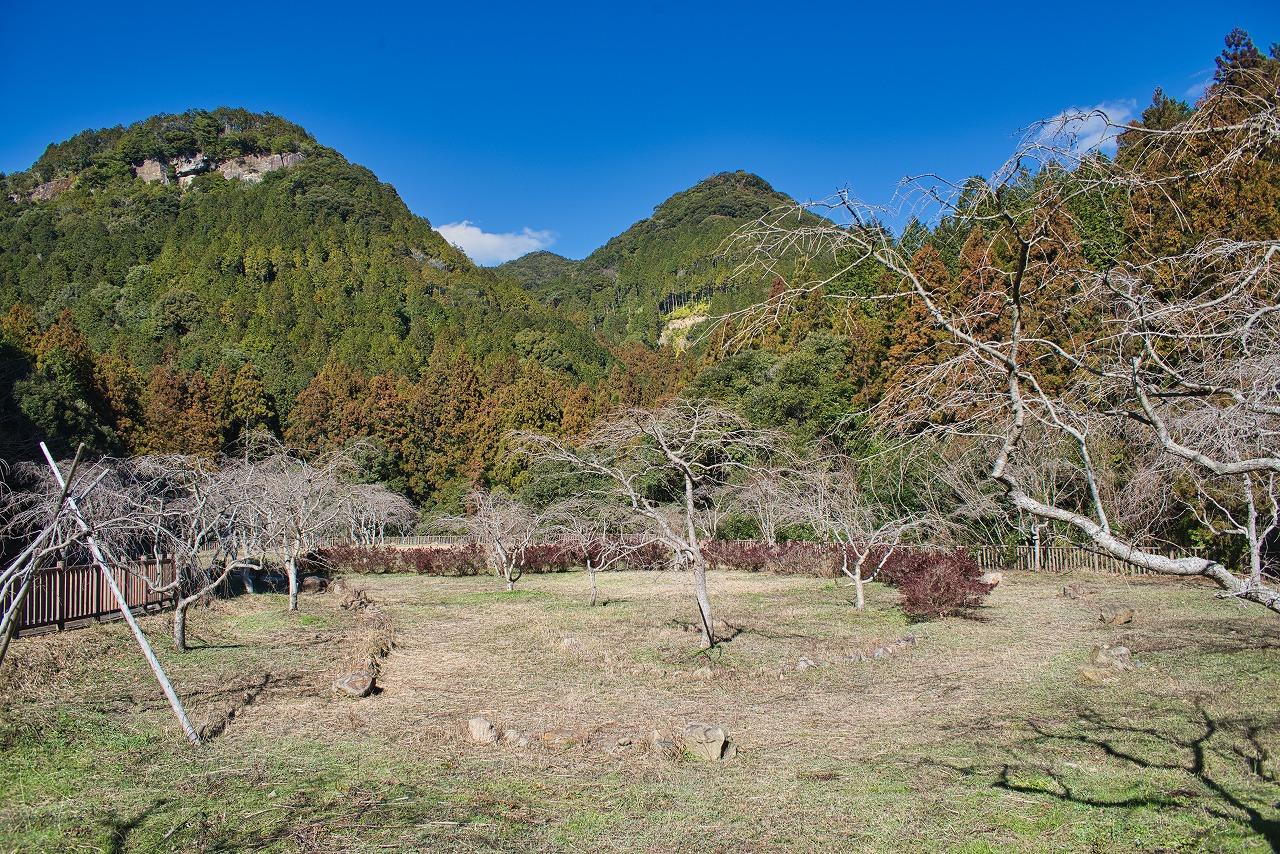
(933, 584)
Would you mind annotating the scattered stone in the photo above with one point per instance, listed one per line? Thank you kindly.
(556, 740)
(992, 579)
(624, 741)
(356, 684)
(663, 746)
(313, 584)
(1116, 615)
(1072, 591)
(1114, 657)
(482, 730)
(515, 738)
(805, 663)
(704, 672)
(1094, 674)
(339, 585)
(571, 645)
(897, 646)
(708, 742)
(356, 599)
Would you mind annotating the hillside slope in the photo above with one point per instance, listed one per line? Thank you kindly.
(216, 240)
(663, 272)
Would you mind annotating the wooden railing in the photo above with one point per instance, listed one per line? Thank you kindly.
(63, 597)
(419, 540)
(1051, 559)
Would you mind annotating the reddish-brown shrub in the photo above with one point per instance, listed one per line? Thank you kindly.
(790, 558)
(935, 584)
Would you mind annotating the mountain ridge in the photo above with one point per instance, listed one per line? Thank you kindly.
(628, 287)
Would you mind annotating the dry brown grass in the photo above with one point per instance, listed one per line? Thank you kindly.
(941, 744)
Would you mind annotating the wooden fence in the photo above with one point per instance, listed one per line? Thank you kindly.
(65, 597)
(1057, 559)
(418, 540)
(1051, 559)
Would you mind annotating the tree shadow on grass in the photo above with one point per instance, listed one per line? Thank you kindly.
(245, 697)
(1200, 745)
(119, 828)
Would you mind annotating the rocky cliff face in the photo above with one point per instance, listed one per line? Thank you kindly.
(250, 168)
(46, 191)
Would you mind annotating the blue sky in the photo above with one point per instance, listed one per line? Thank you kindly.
(561, 124)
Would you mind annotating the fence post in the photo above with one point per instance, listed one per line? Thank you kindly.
(60, 593)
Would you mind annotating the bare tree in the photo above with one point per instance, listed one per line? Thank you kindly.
(770, 497)
(603, 535)
(662, 464)
(301, 504)
(69, 525)
(375, 510)
(205, 516)
(866, 526)
(503, 526)
(1165, 351)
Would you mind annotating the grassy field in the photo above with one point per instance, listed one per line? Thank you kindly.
(981, 736)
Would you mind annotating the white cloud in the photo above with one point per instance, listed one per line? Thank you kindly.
(1090, 128)
(485, 247)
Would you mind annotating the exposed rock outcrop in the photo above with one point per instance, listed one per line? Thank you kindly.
(46, 191)
(151, 171)
(252, 167)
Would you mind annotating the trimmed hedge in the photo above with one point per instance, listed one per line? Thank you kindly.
(933, 584)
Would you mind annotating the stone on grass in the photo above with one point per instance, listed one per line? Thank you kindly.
(1116, 615)
(663, 746)
(515, 738)
(313, 584)
(708, 742)
(356, 684)
(1115, 657)
(992, 578)
(805, 663)
(1094, 674)
(482, 730)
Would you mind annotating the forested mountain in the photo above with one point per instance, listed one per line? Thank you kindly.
(170, 283)
(664, 272)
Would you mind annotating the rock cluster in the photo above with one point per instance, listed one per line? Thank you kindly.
(708, 742)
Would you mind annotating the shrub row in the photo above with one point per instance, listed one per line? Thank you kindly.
(933, 584)
(451, 560)
(463, 560)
